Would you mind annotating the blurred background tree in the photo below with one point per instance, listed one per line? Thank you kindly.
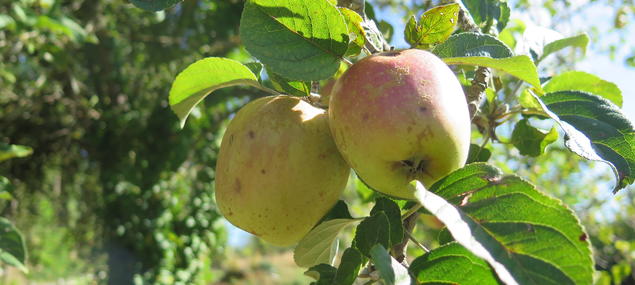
(115, 192)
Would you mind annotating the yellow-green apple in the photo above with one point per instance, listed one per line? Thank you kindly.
(278, 170)
(399, 116)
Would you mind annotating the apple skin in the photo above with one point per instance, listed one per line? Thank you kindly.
(325, 92)
(278, 170)
(399, 116)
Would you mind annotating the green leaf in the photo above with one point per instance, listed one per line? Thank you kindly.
(339, 211)
(452, 264)
(485, 12)
(356, 32)
(63, 26)
(525, 235)
(370, 11)
(386, 29)
(580, 41)
(256, 69)
(472, 45)
(532, 141)
(374, 36)
(521, 66)
(78, 32)
(478, 154)
(527, 100)
(596, 129)
(582, 81)
(283, 85)
(393, 213)
(630, 61)
(5, 189)
(6, 22)
(371, 231)
(324, 273)
(12, 247)
(300, 40)
(154, 5)
(349, 267)
(203, 77)
(8, 151)
(411, 31)
(505, 13)
(435, 26)
(390, 270)
(316, 246)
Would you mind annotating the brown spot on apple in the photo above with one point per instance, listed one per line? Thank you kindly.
(263, 171)
(237, 186)
(251, 134)
(426, 134)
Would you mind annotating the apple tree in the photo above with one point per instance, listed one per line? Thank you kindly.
(497, 227)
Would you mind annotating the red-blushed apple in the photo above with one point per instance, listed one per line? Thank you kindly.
(278, 170)
(399, 116)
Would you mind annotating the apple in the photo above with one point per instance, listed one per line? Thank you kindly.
(325, 92)
(278, 170)
(400, 116)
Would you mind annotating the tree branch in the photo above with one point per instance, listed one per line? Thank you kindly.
(398, 251)
(476, 92)
(466, 22)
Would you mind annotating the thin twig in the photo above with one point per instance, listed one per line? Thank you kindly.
(411, 211)
(416, 242)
